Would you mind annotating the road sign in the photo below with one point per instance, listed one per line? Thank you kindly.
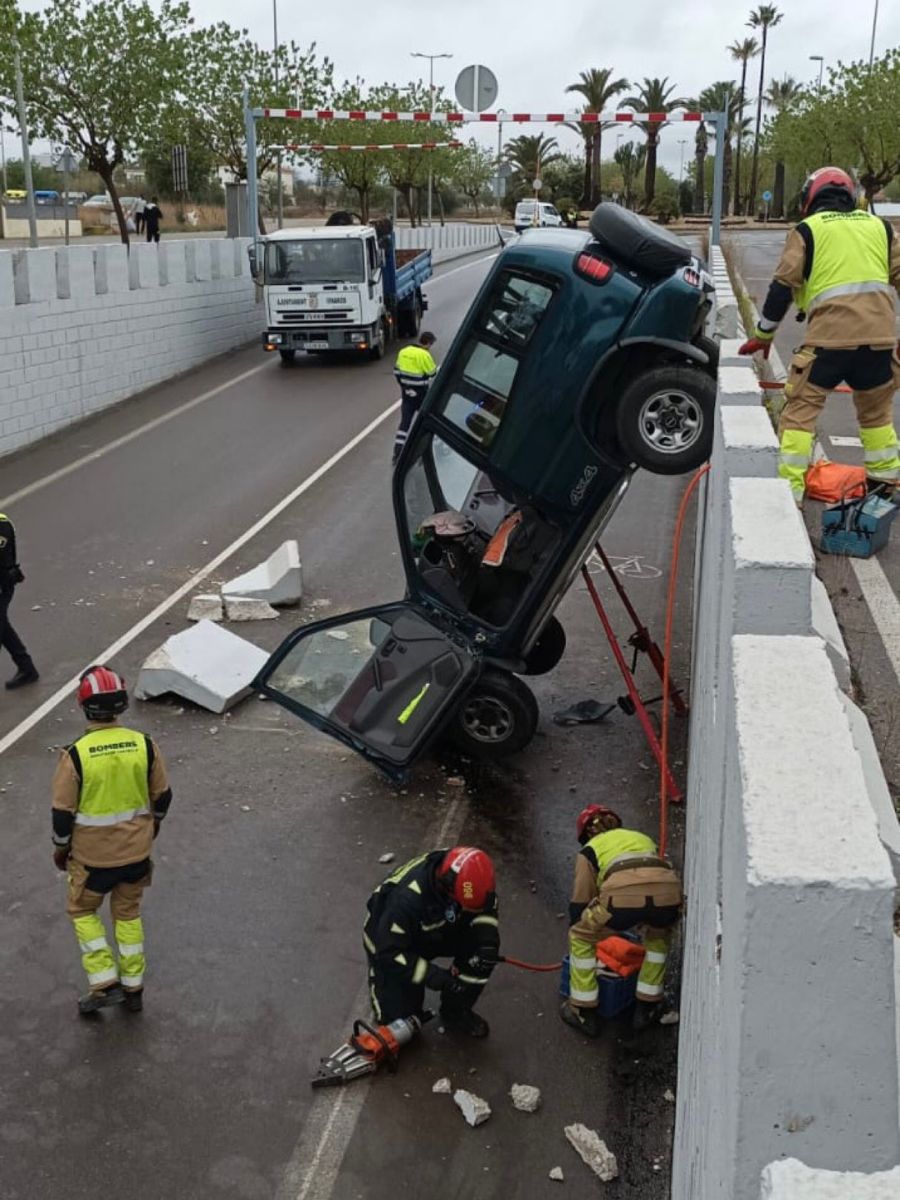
(476, 88)
(767, 196)
(66, 163)
(538, 184)
(179, 168)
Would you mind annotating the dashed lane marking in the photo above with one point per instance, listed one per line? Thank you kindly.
(883, 605)
(65, 692)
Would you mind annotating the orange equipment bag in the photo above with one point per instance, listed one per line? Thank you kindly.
(620, 955)
(834, 482)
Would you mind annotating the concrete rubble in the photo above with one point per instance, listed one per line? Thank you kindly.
(442, 1087)
(473, 1108)
(206, 664)
(557, 1174)
(248, 608)
(205, 608)
(791, 1179)
(279, 580)
(525, 1097)
(593, 1151)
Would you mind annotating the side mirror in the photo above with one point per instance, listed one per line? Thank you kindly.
(254, 260)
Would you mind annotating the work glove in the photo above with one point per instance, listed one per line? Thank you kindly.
(484, 961)
(756, 345)
(454, 987)
(61, 857)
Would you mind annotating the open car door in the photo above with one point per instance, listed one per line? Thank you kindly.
(381, 680)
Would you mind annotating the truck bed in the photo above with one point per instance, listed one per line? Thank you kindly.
(413, 269)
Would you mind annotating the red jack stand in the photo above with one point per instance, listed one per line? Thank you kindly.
(641, 642)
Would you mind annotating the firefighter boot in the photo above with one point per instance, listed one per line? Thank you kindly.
(465, 1020)
(101, 998)
(134, 1001)
(585, 1020)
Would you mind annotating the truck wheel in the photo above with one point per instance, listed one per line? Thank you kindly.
(498, 717)
(377, 350)
(547, 650)
(287, 356)
(664, 419)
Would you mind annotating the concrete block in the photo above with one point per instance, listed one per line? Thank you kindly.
(790, 1179)
(75, 273)
(206, 664)
(879, 794)
(825, 626)
(279, 580)
(739, 385)
(7, 282)
(216, 247)
(728, 315)
(34, 272)
(143, 265)
(112, 270)
(728, 353)
(202, 260)
(749, 446)
(771, 558)
(248, 608)
(172, 264)
(205, 608)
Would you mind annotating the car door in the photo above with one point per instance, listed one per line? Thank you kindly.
(381, 680)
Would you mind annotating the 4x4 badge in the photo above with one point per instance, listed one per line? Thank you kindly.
(577, 493)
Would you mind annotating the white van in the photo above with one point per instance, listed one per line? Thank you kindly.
(526, 217)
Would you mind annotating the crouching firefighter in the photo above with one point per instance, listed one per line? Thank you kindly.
(110, 794)
(621, 884)
(442, 904)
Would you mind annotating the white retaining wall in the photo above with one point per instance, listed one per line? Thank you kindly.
(449, 241)
(82, 327)
(787, 1042)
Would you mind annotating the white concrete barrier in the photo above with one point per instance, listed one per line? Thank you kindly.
(84, 327)
(791, 1180)
(446, 242)
(205, 664)
(278, 580)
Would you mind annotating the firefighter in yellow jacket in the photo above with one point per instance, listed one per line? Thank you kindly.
(414, 371)
(110, 794)
(621, 883)
(841, 266)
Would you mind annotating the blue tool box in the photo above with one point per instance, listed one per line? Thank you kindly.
(858, 528)
(615, 993)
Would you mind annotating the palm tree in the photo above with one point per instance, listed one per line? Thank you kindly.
(653, 96)
(527, 154)
(631, 159)
(741, 52)
(765, 17)
(723, 97)
(779, 95)
(597, 88)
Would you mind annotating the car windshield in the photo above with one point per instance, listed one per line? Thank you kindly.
(315, 260)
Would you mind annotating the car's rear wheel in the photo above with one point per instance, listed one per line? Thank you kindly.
(498, 717)
(664, 419)
(547, 650)
(287, 356)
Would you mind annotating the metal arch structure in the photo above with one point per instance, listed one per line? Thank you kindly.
(455, 119)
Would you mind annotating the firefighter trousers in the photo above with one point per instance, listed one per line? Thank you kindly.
(125, 885)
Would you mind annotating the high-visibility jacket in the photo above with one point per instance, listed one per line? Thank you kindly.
(414, 367)
(613, 846)
(850, 256)
(114, 814)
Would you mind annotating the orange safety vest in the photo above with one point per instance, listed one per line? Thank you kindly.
(499, 543)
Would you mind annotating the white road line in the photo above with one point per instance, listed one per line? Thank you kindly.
(65, 692)
(883, 605)
(6, 501)
(314, 1166)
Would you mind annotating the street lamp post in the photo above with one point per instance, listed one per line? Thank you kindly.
(682, 142)
(872, 43)
(501, 113)
(821, 61)
(26, 154)
(278, 156)
(431, 58)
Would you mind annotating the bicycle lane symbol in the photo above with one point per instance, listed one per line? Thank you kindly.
(630, 566)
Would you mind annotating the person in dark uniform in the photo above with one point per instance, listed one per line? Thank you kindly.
(10, 575)
(152, 218)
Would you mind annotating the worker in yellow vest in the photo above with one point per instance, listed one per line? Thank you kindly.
(841, 266)
(621, 884)
(110, 795)
(414, 371)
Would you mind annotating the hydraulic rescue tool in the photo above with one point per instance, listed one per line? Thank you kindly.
(366, 1049)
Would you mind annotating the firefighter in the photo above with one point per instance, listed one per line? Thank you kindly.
(841, 266)
(10, 576)
(441, 904)
(621, 884)
(110, 795)
(414, 371)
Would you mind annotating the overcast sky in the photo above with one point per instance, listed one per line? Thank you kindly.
(537, 47)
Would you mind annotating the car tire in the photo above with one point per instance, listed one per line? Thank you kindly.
(287, 356)
(712, 349)
(547, 650)
(664, 419)
(497, 718)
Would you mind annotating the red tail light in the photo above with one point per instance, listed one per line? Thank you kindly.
(596, 269)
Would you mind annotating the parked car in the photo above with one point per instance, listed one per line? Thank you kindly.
(77, 198)
(536, 213)
(100, 200)
(582, 358)
(47, 196)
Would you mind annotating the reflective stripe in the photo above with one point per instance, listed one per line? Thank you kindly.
(888, 474)
(413, 705)
(850, 289)
(99, 943)
(586, 963)
(577, 994)
(765, 328)
(471, 979)
(414, 887)
(368, 943)
(111, 975)
(421, 970)
(649, 989)
(132, 981)
(794, 460)
(877, 455)
(430, 928)
(62, 842)
(654, 956)
(486, 920)
(110, 818)
(395, 928)
(401, 959)
(126, 951)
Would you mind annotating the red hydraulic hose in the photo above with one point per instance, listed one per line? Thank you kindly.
(525, 966)
(777, 385)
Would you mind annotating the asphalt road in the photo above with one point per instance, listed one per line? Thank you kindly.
(272, 844)
(870, 619)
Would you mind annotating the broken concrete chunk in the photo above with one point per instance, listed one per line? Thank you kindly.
(248, 608)
(593, 1151)
(386, 858)
(557, 1174)
(443, 1087)
(205, 608)
(473, 1108)
(525, 1097)
(208, 665)
(279, 580)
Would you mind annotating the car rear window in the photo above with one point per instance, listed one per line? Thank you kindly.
(482, 381)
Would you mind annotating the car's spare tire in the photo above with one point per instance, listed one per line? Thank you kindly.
(664, 419)
(498, 717)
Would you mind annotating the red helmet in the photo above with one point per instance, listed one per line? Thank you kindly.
(826, 177)
(587, 815)
(102, 694)
(467, 875)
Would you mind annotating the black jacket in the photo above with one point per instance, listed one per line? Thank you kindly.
(9, 570)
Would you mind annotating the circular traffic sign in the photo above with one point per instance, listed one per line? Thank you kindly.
(767, 196)
(476, 88)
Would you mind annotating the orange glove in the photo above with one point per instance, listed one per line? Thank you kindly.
(61, 857)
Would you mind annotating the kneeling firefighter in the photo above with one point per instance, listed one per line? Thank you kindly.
(440, 904)
(621, 884)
